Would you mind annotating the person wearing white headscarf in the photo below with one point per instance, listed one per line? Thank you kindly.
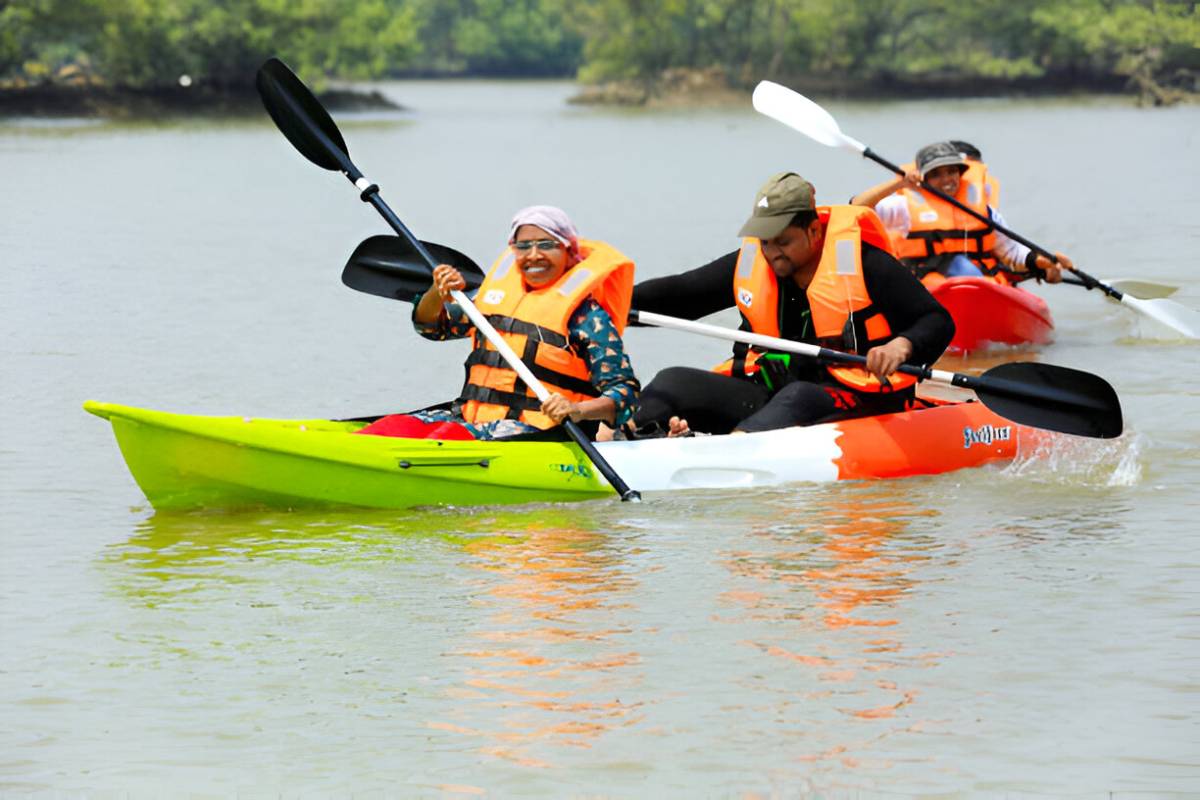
(561, 303)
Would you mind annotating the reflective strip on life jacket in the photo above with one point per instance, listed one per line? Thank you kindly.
(977, 174)
(756, 293)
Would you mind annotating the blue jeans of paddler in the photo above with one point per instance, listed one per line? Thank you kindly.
(962, 267)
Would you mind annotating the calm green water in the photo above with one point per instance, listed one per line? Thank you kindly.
(1028, 631)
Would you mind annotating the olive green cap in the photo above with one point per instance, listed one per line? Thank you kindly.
(778, 201)
(940, 154)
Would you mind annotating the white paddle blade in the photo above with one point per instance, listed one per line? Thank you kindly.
(801, 114)
(1178, 318)
(1144, 290)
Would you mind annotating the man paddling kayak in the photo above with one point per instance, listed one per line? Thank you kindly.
(935, 239)
(821, 275)
(560, 303)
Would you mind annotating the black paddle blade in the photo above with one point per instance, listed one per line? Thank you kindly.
(1051, 397)
(389, 267)
(301, 118)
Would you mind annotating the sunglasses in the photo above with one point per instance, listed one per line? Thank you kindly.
(545, 245)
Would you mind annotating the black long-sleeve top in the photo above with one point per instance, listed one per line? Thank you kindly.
(909, 308)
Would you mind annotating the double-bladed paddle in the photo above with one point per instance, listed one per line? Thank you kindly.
(801, 114)
(310, 129)
(1040, 395)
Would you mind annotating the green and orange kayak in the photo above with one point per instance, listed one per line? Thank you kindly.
(185, 462)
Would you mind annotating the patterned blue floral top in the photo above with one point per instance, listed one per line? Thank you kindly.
(590, 331)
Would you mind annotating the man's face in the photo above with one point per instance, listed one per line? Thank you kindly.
(793, 250)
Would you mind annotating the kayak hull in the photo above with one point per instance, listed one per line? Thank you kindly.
(986, 312)
(187, 462)
(184, 462)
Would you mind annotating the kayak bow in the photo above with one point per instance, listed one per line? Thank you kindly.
(985, 311)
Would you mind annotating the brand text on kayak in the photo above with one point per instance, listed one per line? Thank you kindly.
(580, 469)
(985, 435)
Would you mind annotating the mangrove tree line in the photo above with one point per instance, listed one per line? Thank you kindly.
(144, 44)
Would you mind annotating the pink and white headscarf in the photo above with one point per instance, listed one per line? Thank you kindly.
(553, 221)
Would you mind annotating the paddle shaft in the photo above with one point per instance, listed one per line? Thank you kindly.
(997, 385)
(1087, 280)
(775, 343)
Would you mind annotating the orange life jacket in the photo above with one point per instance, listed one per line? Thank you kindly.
(843, 314)
(534, 324)
(936, 227)
(977, 172)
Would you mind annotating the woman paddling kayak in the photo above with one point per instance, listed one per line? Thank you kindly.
(561, 303)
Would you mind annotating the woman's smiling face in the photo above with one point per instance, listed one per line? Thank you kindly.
(541, 258)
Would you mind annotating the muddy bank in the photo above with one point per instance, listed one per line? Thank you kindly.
(683, 87)
(674, 87)
(100, 101)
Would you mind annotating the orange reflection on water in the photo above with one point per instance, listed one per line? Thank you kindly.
(863, 577)
(548, 666)
(832, 586)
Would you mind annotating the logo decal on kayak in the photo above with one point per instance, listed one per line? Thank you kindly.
(493, 296)
(985, 435)
(746, 297)
(580, 469)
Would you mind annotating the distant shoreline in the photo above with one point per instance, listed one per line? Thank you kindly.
(681, 88)
(677, 88)
(95, 101)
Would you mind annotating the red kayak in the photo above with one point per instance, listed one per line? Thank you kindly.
(987, 311)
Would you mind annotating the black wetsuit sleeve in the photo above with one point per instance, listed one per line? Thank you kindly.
(909, 308)
(690, 295)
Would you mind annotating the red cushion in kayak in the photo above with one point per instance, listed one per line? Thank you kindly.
(406, 426)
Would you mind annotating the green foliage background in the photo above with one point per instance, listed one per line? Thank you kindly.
(150, 43)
